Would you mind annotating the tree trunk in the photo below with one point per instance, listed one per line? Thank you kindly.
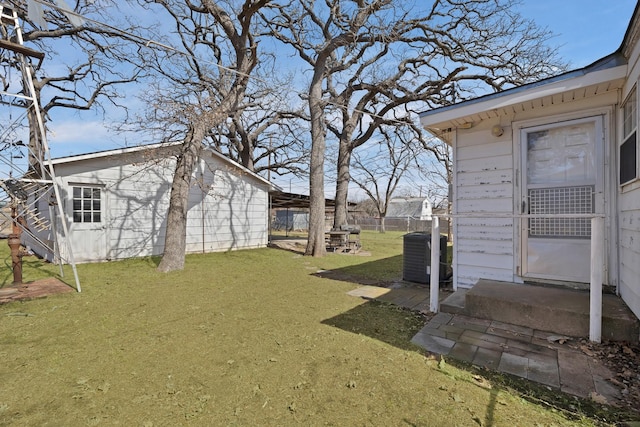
(315, 244)
(175, 242)
(342, 186)
(382, 226)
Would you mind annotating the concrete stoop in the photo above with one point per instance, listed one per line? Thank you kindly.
(561, 311)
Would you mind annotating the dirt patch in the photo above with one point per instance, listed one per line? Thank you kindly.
(31, 290)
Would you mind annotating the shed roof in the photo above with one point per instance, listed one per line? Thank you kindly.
(139, 148)
(280, 199)
(410, 207)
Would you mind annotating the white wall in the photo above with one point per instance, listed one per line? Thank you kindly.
(227, 209)
(629, 220)
(231, 212)
(629, 211)
(483, 186)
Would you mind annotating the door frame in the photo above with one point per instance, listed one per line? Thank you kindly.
(603, 182)
(79, 230)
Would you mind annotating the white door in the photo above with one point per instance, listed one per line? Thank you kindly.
(87, 224)
(562, 175)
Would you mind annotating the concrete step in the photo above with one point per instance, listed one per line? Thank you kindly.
(551, 309)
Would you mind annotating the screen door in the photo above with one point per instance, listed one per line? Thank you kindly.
(562, 175)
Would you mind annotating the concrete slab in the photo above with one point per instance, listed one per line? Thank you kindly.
(562, 311)
(544, 371)
(487, 358)
(463, 351)
(369, 292)
(514, 365)
(454, 303)
(575, 373)
(433, 344)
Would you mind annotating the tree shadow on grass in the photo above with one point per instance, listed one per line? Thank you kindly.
(382, 321)
(381, 272)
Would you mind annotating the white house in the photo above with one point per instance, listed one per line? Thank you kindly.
(533, 164)
(116, 204)
(409, 207)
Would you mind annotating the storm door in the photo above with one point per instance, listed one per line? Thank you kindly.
(562, 175)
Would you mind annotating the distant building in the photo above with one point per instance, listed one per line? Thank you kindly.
(409, 208)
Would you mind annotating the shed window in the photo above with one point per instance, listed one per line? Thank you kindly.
(87, 204)
(629, 145)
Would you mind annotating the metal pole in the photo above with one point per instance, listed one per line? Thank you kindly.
(45, 146)
(434, 286)
(595, 296)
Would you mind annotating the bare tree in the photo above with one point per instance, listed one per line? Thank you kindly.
(199, 87)
(84, 62)
(446, 52)
(264, 133)
(384, 163)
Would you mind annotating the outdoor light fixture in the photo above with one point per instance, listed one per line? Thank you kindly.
(497, 131)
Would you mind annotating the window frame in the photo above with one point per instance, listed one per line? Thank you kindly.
(629, 133)
(86, 205)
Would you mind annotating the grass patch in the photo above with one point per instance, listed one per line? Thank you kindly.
(238, 338)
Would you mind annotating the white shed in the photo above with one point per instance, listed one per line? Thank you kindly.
(409, 207)
(116, 204)
(533, 164)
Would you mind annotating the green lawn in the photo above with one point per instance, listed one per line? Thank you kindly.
(244, 338)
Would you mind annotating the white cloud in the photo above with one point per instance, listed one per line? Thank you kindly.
(81, 136)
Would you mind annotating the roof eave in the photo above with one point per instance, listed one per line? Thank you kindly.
(453, 116)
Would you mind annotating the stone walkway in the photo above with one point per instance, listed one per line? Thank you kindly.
(535, 355)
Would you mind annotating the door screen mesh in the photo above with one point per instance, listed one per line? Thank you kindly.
(561, 200)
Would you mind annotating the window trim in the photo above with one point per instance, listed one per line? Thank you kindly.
(87, 205)
(629, 136)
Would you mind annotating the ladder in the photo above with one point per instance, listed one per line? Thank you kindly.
(40, 177)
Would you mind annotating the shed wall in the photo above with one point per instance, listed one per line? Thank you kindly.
(227, 207)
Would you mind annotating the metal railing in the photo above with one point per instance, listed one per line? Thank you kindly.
(596, 264)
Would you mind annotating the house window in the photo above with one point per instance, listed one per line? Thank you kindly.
(629, 146)
(86, 204)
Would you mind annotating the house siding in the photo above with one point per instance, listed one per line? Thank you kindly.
(484, 187)
(629, 194)
(629, 241)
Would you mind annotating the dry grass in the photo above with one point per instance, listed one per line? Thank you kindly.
(240, 338)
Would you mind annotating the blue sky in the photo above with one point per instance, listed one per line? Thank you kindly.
(585, 31)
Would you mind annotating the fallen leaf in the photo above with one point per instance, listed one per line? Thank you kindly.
(586, 351)
(598, 398)
(561, 339)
